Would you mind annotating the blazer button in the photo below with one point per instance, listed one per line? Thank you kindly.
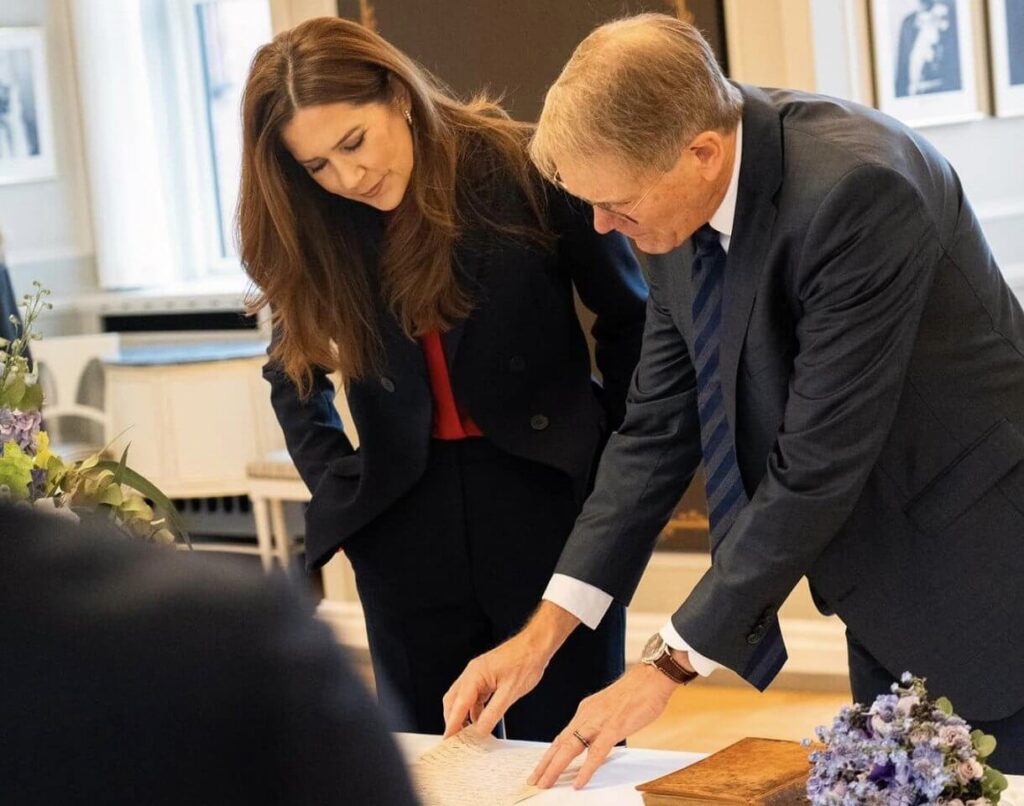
(517, 363)
(756, 634)
(538, 422)
(388, 384)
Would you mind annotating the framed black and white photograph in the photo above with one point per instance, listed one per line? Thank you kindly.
(26, 135)
(1006, 34)
(926, 66)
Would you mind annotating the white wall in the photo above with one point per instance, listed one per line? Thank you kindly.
(48, 227)
(47, 224)
(985, 153)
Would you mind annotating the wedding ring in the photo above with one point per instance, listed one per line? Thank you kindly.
(579, 736)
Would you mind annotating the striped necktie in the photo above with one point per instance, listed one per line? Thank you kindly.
(724, 487)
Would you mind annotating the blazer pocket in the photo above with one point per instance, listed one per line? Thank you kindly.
(348, 466)
(967, 479)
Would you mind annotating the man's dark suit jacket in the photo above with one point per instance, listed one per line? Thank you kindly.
(131, 674)
(872, 364)
(519, 367)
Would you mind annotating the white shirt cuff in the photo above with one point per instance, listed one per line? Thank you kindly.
(701, 665)
(583, 600)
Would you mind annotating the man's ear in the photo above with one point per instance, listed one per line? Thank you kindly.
(709, 151)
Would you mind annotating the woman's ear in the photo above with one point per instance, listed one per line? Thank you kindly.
(399, 93)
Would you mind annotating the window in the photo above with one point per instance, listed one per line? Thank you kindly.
(161, 84)
(227, 34)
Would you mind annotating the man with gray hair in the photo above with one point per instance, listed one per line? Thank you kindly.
(828, 332)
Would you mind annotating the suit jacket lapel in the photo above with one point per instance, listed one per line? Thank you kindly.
(468, 264)
(402, 355)
(760, 177)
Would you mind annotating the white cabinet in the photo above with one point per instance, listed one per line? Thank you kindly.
(194, 415)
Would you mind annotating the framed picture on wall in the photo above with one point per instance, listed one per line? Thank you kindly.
(925, 60)
(26, 134)
(1006, 34)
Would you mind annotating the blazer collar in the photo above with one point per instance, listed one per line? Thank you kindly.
(468, 263)
(759, 181)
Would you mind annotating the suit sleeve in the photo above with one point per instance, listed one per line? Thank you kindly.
(312, 427)
(607, 276)
(645, 467)
(862, 281)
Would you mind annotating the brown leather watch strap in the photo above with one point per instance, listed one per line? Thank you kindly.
(668, 666)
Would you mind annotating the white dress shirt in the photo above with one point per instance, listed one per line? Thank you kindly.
(583, 600)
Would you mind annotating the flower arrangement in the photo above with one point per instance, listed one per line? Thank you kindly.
(904, 749)
(31, 474)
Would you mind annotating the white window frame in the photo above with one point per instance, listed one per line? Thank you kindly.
(150, 165)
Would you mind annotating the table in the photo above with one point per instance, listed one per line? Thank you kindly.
(613, 784)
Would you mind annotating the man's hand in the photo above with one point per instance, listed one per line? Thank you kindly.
(492, 683)
(604, 719)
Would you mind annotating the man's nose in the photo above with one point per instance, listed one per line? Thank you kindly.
(604, 222)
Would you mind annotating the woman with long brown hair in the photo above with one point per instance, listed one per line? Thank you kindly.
(402, 238)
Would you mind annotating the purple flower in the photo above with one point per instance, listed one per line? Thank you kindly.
(902, 749)
(37, 488)
(20, 427)
(882, 773)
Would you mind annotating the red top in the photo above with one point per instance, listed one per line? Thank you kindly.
(449, 422)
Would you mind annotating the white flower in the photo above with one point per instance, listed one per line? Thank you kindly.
(969, 770)
(906, 703)
(880, 727)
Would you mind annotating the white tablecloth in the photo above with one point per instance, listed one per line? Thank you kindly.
(614, 783)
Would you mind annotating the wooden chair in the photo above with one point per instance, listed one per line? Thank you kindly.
(64, 363)
(273, 480)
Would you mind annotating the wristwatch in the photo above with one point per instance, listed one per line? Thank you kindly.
(659, 655)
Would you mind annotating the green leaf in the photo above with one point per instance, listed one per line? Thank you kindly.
(14, 393)
(119, 473)
(33, 398)
(111, 496)
(944, 705)
(88, 463)
(135, 506)
(993, 783)
(16, 470)
(984, 744)
(144, 486)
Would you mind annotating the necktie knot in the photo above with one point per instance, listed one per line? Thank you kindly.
(706, 240)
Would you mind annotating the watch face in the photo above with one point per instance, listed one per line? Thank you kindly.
(652, 649)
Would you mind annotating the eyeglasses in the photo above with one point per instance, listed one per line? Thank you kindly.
(627, 216)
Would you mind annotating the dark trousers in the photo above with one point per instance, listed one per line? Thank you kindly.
(457, 566)
(868, 679)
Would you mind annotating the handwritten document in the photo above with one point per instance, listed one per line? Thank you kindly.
(467, 769)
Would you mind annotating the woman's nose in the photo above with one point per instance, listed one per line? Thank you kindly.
(350, 176)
